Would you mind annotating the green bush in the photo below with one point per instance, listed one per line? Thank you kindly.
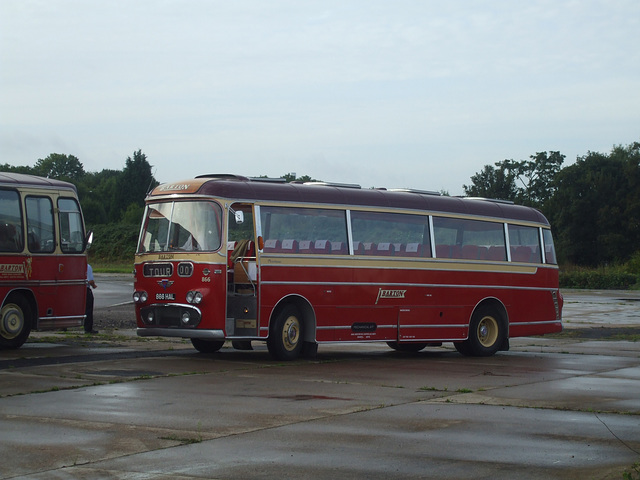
(113, 243)
(598, 279)
(633, 265)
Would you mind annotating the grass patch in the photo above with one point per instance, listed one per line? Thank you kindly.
(433, 389)
(633, 474)
(629, 334)
(633, 337)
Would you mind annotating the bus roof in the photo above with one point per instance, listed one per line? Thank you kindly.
(238, 188)
(20, 179)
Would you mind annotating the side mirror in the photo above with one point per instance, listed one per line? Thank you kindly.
(88, 240)
(239, 217)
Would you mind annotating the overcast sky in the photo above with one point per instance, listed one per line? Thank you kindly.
(400, 93)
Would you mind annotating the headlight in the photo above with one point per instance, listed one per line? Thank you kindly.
(194, 297)
(140, 297)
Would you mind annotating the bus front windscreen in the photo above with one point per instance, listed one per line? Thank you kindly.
(181, 226)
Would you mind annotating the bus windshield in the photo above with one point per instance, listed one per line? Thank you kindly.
(181, 226)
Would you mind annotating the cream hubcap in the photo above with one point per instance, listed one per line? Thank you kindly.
(291, 333)
(12, 321)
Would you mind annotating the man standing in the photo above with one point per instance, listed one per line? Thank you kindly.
(88, 320)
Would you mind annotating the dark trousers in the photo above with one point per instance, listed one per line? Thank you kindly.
(88, 321)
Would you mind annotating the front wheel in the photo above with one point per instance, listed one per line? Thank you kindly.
(285, 336)
(486, 333)
(15, 322)
(207, 346)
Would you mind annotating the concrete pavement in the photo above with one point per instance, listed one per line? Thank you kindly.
(118, 407)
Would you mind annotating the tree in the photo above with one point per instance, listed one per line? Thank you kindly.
(133, 214)
(595, 210)
(492, 183)
(535, 176)
(529, 182)
(94, 211)
(134, 184)
(60, 166)
(98, 193)
(291, 177)
(18, 169)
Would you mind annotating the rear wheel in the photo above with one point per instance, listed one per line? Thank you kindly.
(285, 337)
(207, 346)
(486, 333)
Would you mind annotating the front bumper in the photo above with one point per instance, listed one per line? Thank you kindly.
(180, 333)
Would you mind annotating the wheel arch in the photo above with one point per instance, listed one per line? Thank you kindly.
(306, 311)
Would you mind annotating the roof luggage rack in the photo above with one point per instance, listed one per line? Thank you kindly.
(494, 200)
(223, 176)
(331, 184)
(412, 190)
(268, 179)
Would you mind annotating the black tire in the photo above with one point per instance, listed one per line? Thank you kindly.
(462, 348)
(285, 340)
(407, 347)
(16, 319)
(487, 332)
(207, 346)
(242, 344)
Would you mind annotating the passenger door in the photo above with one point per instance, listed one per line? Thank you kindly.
(242, 273)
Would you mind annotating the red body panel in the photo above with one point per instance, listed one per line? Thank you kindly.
(57, 283)
(410, 304)
(207, 278)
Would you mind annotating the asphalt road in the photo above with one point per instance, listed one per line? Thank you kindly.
(112, 290)
(119, 407)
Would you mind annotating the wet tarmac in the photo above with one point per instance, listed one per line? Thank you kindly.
(118, 407)
(113, 289)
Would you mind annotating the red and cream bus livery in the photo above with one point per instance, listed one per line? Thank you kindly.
(224, 257)
(43, 265)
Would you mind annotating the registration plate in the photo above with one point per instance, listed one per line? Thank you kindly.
(165, 296)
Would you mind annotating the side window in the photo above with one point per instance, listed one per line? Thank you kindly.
(10, 222)
(549, 249)
(240, 236)
(244, 230)
(469, 239)
(524, 244)
(40, 232)
(71, 230)
(304, 230)
(397, 234)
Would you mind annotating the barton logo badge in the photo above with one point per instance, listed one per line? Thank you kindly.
(383, 293)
